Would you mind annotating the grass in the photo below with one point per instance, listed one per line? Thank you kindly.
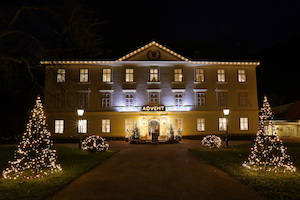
(74, 162)
(271, 185)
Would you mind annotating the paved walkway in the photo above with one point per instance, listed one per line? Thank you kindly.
(162, 172)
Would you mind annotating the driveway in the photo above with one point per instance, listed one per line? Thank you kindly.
(161, 171)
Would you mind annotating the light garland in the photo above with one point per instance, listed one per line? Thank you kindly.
(268, 153)
(34, 157)
(95, 143)
(212, 141)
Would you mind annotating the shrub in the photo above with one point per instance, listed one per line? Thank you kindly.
(95, 143)
(212, 141)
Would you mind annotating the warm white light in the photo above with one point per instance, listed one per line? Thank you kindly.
(80, 112)
(226, 111)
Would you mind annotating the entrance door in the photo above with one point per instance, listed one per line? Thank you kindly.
(154, 130)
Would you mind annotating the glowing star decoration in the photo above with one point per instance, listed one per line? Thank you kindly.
(212, 141)
(34, 157)
(268, 153)
(95, 143)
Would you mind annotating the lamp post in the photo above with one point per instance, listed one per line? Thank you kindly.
(80, 113)
(226, 112)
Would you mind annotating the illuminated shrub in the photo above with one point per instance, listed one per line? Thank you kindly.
(95, 143)
(212, 141)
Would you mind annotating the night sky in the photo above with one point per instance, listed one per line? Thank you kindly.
(256, 30)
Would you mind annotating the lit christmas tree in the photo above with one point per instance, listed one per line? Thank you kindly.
(34, 157)
(268, 153)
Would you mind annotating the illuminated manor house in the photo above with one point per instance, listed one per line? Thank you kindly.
(154, 89)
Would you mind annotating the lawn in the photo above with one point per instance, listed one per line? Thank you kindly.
(74, 162)
(271, 185)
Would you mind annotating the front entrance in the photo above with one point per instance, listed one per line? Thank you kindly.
(154, 130)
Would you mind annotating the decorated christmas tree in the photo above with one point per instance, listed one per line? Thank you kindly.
(34, 157)
(268, 153)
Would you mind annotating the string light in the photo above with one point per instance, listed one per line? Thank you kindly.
(34, 157)
(268, 153)
(95, 143)
(212, 141)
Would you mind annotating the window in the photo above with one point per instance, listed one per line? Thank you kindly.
(178, 98)
(222, 98)
(129, 99)
(128, 125)
(106, 76)
(178, 124)
(84, 76)
(222, 124)
(243, 98)
(61, 75)
(200, 124)
(83, 98)
(105, 125)
(199, 75)
(82, 126)
(153, 98)
(242, 75)
(129, 75)
(154, 76)
(200, 98)
(244, 124)
(59, 126)
(60, 100)
(221, 75)
(106, 100)
(178, 77)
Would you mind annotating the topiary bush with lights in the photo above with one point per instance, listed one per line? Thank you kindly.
(212, 141)
(95, 143)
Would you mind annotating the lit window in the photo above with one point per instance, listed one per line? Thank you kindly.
(59, 126)
(154, 75)
(178, 77)
(82, 126)
(106, 76)
(178, 124)
(200, 124)
(105, 125)
(61, 75)
(129, 75)
(242, 75)
(178, 99)
(106, 100)
(222, 124)
(243, 98)
(129, 99)
(221, 75)
(200, 98)
(128, 125)
(244, 124)
(153, 98)
(83, 99)
(199, 75)
(222, 98)
(84, 76)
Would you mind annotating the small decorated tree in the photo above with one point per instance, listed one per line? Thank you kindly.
(268, 153)
(136, 132)
(34, 157)
(212, 141)
(95, 143)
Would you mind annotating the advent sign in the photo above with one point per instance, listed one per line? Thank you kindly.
(153, 108)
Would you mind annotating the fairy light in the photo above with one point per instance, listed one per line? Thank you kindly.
(268, 153)
(34, 157)
(95, 143)
(212, 141)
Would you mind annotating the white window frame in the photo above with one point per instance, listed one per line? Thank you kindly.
(152, 98)
(82, 126)
(200, 124)
(105, 126)
(200, 98)
(129, 99)
(221, 76)
(243, 98)
(83, 99)
(222, 98)
(244, 124)
(199, 75)
(129, 75)
(106, 100)
(242, 77)
(178, 75)
(59, 126)
(222, 124)
(107, 75)
(178, 99)
(84, 75)
(61, 76)
(154, 74)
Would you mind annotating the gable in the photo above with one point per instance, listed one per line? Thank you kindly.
(153, 51)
